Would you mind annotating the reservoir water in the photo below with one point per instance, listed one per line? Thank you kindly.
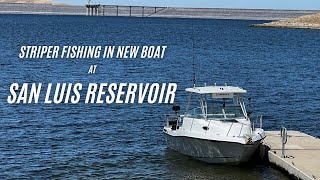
(278, 67)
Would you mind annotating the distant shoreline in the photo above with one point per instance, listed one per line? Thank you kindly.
(203, 13)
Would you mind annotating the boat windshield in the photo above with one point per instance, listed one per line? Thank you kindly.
(213, 109)
(217, 112)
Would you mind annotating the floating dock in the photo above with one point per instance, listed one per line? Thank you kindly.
(301, 154)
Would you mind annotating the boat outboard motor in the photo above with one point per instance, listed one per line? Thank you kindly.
(174, 124)
(176, 108)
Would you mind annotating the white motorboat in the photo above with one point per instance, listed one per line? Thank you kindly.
(219, 131)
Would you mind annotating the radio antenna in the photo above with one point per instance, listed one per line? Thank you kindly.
(193, 62)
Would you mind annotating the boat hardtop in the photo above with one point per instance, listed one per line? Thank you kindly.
(217, 90)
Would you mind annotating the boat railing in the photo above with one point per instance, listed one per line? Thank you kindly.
(172, 120)
(257, 120)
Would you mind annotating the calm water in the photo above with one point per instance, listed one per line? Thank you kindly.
(278, 67)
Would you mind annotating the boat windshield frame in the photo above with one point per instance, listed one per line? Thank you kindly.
(208, 111)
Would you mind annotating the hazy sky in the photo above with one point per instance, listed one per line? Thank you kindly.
(264, 4)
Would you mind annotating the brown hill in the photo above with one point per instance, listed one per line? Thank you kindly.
(307, 22)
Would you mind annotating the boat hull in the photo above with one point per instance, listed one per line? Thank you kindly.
(210, 151)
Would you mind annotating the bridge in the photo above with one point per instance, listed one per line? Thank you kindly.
(121, 10)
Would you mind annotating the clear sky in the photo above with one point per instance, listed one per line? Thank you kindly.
(251, 4)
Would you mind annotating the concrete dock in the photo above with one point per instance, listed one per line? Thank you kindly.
(302, 154)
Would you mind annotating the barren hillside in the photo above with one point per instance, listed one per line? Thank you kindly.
(307, 22)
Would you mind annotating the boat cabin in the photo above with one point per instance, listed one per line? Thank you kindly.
(216, 102)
